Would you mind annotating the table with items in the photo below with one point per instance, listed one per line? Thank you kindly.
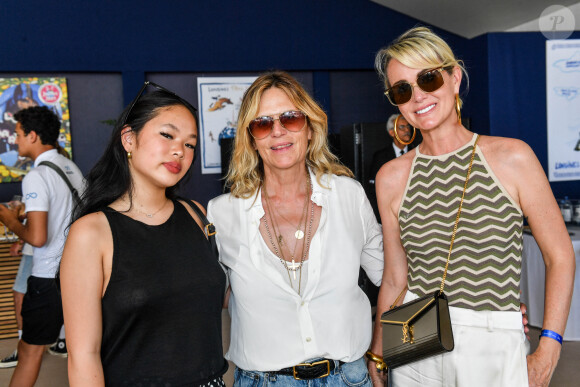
(532, 284)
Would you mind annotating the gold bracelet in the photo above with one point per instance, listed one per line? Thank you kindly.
(381, 365)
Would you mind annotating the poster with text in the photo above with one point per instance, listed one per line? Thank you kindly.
(563, 101)
(219, 103)
(21, 93)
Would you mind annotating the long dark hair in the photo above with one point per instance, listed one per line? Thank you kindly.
(110, 178)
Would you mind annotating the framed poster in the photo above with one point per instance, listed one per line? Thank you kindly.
(21, 93)
(563, 109)
(219, 103)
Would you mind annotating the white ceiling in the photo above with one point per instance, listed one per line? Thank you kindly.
(471, 18)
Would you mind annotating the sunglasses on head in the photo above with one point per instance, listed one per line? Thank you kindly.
(428, 81)
(292, 120)
(158, 87)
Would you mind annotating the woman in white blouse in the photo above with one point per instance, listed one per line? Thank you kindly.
(293, 233)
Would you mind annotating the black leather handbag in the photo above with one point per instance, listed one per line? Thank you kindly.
(421, 328)
(416, 330)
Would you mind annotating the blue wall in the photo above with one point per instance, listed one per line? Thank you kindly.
(517, 95)
(135, 37)
(108, 48)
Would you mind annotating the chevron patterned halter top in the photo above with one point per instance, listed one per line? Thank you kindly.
(485, 266)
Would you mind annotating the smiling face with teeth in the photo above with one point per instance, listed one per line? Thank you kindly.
(281, 149)
(427, 111)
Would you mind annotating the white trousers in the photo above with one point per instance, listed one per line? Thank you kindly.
(490, 350)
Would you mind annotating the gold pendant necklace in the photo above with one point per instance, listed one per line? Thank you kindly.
(279, 249)
(299, 234)
(305, 243)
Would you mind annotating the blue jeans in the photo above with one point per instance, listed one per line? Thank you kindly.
(24, 271)
(349, 374)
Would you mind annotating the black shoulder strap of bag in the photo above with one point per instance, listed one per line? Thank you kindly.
(208, 228)
(210, 231)
(74, 191)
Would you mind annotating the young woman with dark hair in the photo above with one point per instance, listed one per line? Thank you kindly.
(142, 291)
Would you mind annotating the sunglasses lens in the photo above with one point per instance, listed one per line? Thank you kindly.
(400, 93)
(261, 127)
(430, 80)
(294, 120)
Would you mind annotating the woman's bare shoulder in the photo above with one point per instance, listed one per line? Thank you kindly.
(513, 162)
(395, 172)
(505, 149)
(90, 226)
(89, 241)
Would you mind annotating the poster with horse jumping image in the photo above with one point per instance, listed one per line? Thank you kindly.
(219, 103)
(21, 93)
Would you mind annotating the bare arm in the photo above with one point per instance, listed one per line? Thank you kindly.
(390, 184)
(83, 280)
(521, 173)
(35, 229)
(549, 230)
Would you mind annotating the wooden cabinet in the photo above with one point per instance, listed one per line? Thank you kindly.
(8, 269)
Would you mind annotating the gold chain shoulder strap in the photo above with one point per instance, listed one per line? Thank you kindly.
(458, 214)
(398, 298)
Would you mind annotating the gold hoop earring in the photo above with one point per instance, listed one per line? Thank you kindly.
(397, 135)
(129, 155)
(458, 108)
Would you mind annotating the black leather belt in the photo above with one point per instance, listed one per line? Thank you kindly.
(305, 371)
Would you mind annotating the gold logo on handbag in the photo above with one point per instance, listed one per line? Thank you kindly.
(408, 330)
(408, 333)
(421, 327)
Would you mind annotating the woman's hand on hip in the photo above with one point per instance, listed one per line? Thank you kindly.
(542, 363)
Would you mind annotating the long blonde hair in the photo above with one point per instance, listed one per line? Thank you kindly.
(246, 171)
(418, 48)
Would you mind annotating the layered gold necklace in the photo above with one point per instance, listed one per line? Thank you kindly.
(299, 235)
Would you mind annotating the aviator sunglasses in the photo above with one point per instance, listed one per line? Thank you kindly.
(428, 81)
(292, 120)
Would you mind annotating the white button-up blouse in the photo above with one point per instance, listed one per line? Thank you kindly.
(272, 326)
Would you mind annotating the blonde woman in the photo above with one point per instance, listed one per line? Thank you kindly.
(294, 232)
(418, 197)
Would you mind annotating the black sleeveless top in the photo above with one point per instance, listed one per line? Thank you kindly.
(163, 304)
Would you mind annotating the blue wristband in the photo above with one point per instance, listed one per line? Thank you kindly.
(551, 335)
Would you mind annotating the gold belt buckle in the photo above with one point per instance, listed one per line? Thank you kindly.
(312, 365)
(210, 229)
